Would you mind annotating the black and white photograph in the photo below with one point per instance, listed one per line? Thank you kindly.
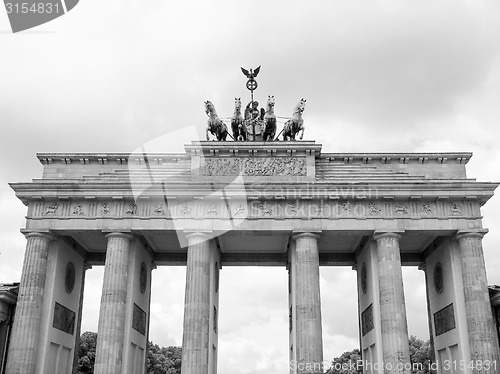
(227, 187)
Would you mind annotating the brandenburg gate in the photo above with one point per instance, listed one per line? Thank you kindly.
(280, 203)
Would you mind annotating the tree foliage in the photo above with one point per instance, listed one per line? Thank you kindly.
(163, 360)
(420, 353)
(160, 360)
(86, 353)
(346, 363)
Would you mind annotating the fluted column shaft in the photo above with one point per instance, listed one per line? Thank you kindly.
(394, 327)
(309, 342)
(111, 328)
(26, 328)
(480, 324)
(195, 340)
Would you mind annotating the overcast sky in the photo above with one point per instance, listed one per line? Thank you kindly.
(384, 76)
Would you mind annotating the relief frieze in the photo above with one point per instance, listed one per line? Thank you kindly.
(52, 208)
(78, 210)
(455, 209)
(401, 208)
(132, 209)
(254, 208)
(105, 209)
(158, 209)
(254, 166)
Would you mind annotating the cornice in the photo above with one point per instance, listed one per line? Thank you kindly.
(436, 188)
(401, 158)
(255, 148)
(222, 149)
(119, 158)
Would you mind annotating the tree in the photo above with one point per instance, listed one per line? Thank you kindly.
(421, 354)
(163, 360)
(347, 363)
(159, 360)
(86, 353)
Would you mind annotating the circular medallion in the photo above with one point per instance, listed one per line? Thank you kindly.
(252, 84)
(363, 278)
(69, 277)
(143, 278)
(438, 277)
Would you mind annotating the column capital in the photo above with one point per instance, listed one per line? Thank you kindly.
(378, 235)
(118, 234)
(204, 235)
(305, 234)
(45, 234)
(477, 233)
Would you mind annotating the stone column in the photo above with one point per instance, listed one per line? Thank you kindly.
(26, 329)
(78, 331)
(195, 340)
(430, 317)
(483, 340)
(309, 341)
(111, 328)
(394, 328)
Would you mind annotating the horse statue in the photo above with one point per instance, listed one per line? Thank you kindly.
(296, 123)
(269, 120)
(237, 124)
(214, 124)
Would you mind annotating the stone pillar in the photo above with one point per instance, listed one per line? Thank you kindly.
(196, 336)
(483, 340)
(430, 318)
(79, 322)
(26, 329)
(394, 328)
(111, 328)
(308, 349)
